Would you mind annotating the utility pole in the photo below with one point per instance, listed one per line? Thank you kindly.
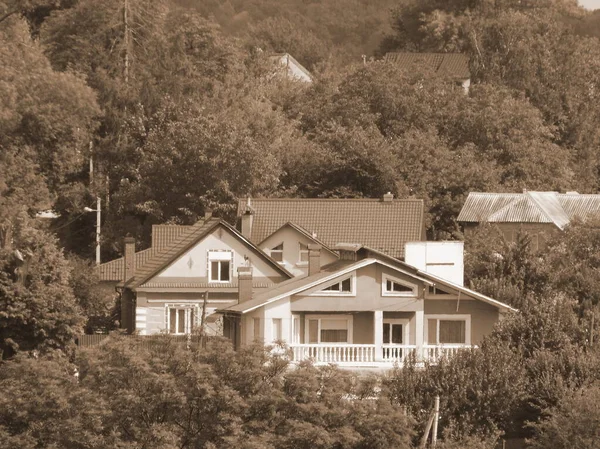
(126, 39)
(98, 217)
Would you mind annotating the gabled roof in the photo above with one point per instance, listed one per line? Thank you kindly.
(448, 65)
(528, 207)
(341, 267)
(160, 260)
(305, 233)
(384, 225)
(290, 63)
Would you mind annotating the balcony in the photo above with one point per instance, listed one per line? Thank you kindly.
(369, 355)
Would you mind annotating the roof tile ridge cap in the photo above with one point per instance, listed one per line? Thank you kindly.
(512, 203)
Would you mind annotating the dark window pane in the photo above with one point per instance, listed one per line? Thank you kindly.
(386, 333)
(277, 256)
(397, 333)
(181, 321)
(346, 286)
(214, 271)
(452, 331)
(334, 336)
(401, 288)
(313, 331)
(172, 320)
(192, 320)
(388, 286)
(333, 288)
(224, 270)
(432, 332)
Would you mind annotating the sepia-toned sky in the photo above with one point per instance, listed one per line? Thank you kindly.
(590, 4)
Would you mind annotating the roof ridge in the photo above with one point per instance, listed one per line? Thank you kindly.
(506, 207)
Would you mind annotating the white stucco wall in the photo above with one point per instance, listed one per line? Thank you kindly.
(442, 259)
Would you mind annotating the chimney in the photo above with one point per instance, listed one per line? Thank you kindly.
(247, 219)
(244, 283)
(314, 259)
(129, 258)
(207, 214)
(388, 197)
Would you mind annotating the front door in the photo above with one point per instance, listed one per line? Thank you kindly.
(395, 335)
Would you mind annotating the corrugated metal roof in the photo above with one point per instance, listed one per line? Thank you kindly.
(382, 225)
(528, 207)
(451, 65)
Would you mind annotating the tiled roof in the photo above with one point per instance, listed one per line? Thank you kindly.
(307, 234)
(186, 282)
(163, 235)
(383, 225)
(528, 207)
(115, 269)
(178, 247)
(338, 268)
(451, 65)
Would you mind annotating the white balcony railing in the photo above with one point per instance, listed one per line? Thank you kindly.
(348, 354)
(333, 353)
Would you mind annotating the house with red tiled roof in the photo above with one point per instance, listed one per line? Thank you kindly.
(347, 281)
(539, 214)
(450, 66)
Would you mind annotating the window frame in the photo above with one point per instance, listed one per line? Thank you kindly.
(339, 281)
(189, 326)
(445, 317)
(210, 261)
(349, 327)
(278, 251)
(384, 292)
(303, 263)
(405, 322)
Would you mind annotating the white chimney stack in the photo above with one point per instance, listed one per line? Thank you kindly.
(442, 259)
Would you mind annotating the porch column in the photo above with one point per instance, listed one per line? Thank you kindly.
(378, 337)
(419, 330)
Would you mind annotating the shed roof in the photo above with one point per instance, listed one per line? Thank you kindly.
(382, 225)
(451, 65)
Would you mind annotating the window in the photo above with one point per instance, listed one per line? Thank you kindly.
(295, 329)
(343, 287)
(329, 329)
(181, 319)
(303, 254)
(277, 334)
(434, 290)
(395, 287)
(256, 328)
(449, 329)
(219, 266)
(277, 253)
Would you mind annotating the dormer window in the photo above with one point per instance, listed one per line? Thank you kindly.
(219, 266)
(396, 287)
(277, 253)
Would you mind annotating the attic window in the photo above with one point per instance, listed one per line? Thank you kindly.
(303, 255)
(277, 253)
(396, 287)
(219, 266)
(344, 287)
(434, 290)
